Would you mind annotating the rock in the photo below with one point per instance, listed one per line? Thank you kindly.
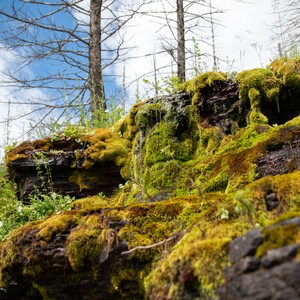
(273, 275)
(221, 106)
(271, 201)
(49, 166)
(245, 245)
(281, 158)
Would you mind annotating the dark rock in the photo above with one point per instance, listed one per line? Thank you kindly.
(57, 176)
(247, 264)
(271, 201)
(282, 158)
(260, 285)
(294, 221)
(245, 245)
(276, 256)
(275, 275)
(221, 106)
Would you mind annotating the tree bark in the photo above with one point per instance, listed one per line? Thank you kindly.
(181, 42)
(97, 101)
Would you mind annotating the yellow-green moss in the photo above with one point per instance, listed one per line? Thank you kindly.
(277, 237)
(286, 187)
(193, 262)
(202, 81)
(162, 145)
(94, 202)
(149, 114)
(288, 70)
(127, 127)
(56, 224)
(85, 244)
(258, 84)
(107, 146)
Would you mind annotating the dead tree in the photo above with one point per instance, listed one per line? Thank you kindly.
(70, 47)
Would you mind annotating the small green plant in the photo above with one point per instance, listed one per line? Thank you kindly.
(14, 213)
(43, 171)
(169, 84)
(244, 204)
(106, 118)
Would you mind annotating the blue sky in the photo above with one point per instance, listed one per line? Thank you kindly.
(243, 42)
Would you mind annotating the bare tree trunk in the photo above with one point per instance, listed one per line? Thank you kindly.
(212, 27)
(181, 42)
(96, 85)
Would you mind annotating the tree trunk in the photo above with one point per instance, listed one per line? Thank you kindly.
(181, 42)
(97, 101)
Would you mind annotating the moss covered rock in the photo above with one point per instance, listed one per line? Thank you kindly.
(189, 173)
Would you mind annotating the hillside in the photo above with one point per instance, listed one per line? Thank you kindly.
(194, 195)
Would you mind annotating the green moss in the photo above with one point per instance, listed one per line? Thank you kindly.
(90, 203)
(202, 81)
(56, 224)
(128, 273)
(107, 146)
(127, 127)
(193, 266)
(288, 70)
(258, 84)
(162, 145)
(85, 244)
(278, 236)
(286, 187)
(149, 114)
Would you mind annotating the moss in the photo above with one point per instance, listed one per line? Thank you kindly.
(162, 145)
(128, 274)
(278, 236)
(90, 203)
(202, 81)
(285, 186)
(194, 266)
(56, 224)
(85, 244)
(258, 84)
(107, 146)
(19, 152)
(288, 70)
(127, 127)
(149, 114)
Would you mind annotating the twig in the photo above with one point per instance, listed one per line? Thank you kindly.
(164, 242)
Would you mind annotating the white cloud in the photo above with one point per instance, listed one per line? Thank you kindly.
(242, 41)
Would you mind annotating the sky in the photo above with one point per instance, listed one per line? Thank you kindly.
(243, 41)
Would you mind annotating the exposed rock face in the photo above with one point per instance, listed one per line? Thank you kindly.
(222, 107)
(281, 158)
(260, 268)
(58, 166)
